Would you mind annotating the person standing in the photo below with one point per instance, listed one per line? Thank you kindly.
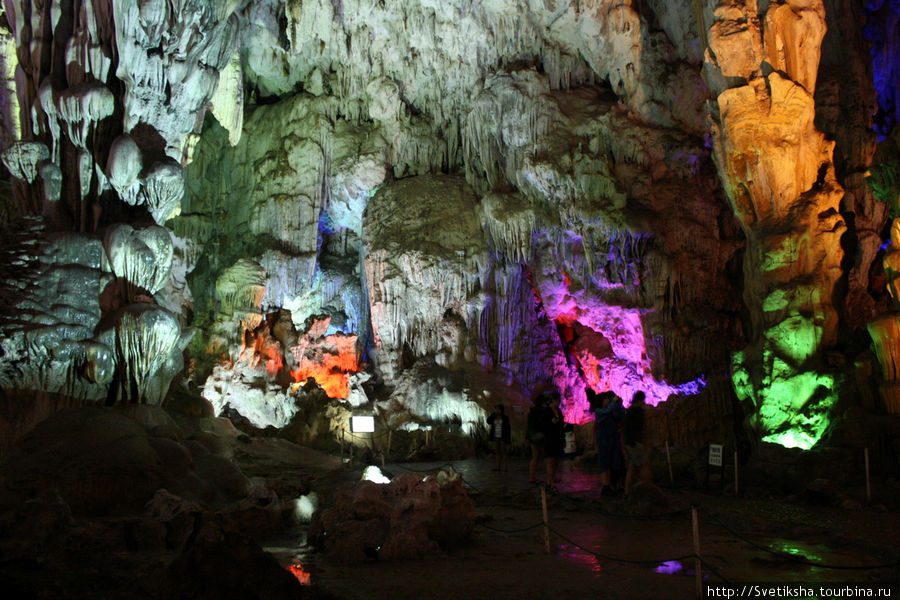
(554, 444)
(608, 412)
(500, 436)
(538, 416)
(633, 436)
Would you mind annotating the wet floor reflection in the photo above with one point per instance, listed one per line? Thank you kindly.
(579, 556)
(669, 567)
(593, 535)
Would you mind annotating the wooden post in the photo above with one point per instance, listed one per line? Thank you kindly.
(695, 521)
(390, 435)
(868, 478)
(737, 488)
(669, 461)
(546, 518)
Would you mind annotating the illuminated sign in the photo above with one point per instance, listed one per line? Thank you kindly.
(362, 424)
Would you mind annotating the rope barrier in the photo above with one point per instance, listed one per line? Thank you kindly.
(801, 560)
(529, 528)
(588, 550)
(367, 436)
(437, 468)
(712, 569)
(659, 516)
(507, 504)
(620, 559)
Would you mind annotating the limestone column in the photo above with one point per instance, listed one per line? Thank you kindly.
(777, 171)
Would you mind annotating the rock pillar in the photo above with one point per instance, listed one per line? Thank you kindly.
(777, 171)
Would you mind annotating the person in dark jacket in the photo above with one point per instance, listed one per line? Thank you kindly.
(537, 417)
(500, 436)
(545, 432)
(554, 441)
(608, 413)
(633, 435)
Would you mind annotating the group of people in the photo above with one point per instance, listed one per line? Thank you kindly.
(618, 437)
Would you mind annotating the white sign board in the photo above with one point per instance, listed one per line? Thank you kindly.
(715, 455)
(362, 424)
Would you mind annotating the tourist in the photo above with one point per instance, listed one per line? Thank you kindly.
(633, 436)
(500, 436)
(536, 433)
(608, 412)
(554, 442)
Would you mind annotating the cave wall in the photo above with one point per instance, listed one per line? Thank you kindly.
(432, 205)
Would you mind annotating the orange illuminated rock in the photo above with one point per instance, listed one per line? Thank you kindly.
(777, 169)
(329, 359)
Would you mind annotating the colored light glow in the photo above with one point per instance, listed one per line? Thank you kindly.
(793, 550)
(791, 439)
(264, 347)
(793, 406)
(882, 17)
(624, 367)
(329, 361)
(580, 557)
(304, 577)
(670, 567)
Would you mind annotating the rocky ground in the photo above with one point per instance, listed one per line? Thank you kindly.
(135, 504)
(630, 547)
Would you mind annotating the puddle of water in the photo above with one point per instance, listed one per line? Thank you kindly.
(295, 556)
(801, 551)
(303, 577)
(579, 556)
(579, 481)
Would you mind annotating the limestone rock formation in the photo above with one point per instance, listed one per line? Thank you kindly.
(141, 259)
(778, 172)
(148, 342)
(408, 518)
(129, 460)
(422, 277)
(607, 195)
(48, 342)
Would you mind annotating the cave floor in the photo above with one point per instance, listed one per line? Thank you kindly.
(599, 547)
